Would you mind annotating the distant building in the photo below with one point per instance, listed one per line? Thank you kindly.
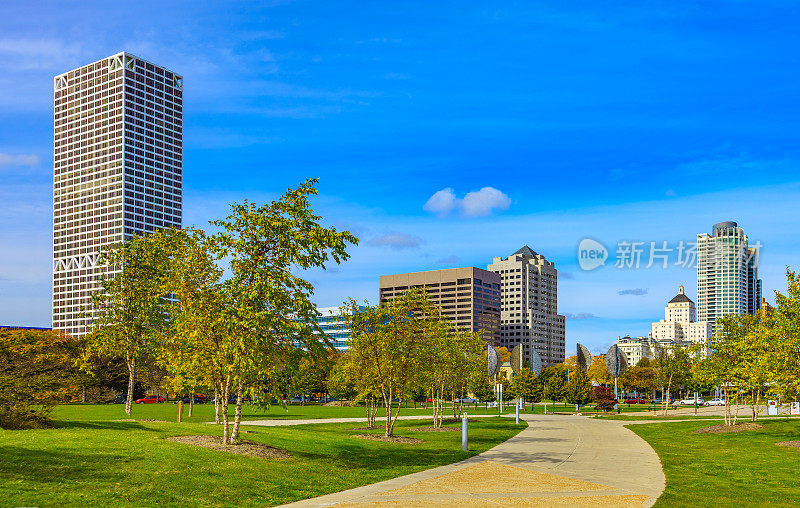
(679, 324)
(468, 297)
(727, 274)
(334, 326)
(529, 305)
(636, 348)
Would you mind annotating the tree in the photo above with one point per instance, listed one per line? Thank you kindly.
(640, 378)
(554, 381)
(270, 312)
(579, 388)
(130, 309)
(599, 373)
(388, 344)
(673, 367)
(782, 330)
(527, 386)
(604, 397)
(37, 371)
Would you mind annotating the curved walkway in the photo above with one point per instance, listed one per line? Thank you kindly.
(555, 461)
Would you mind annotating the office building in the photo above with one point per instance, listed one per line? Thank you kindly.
(118, 169)
(468, 297)
(727, 273)
(334, 327)
(637, 348)
(679, 323)
(529, 303)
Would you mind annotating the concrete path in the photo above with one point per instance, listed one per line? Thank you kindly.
(378, 421)
(556, 461)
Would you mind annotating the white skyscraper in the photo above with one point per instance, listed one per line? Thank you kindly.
(679, 323)
(118, 170)
(727, 273)
(529, 304)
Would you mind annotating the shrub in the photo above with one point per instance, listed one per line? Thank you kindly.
(38, 369)
(604, 398)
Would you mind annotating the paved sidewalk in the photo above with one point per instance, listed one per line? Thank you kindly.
(378, 421)
(556, 461)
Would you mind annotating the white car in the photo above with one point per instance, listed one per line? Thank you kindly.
(715, 402)
(690, 402)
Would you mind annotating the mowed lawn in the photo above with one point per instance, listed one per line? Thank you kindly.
(92, 460)
(737, 469)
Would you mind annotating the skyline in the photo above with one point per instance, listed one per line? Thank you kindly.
(653, 141)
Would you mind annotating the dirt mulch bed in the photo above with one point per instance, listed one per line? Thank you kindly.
(792, 444)
(435, 429)
(248, 448)
(726, 429)
(142, 420)
(367, 428)
(390, 439)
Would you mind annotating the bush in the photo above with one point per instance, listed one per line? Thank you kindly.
(38, 369)
(604, 398)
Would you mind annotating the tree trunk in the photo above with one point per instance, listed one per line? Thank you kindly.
(225, 423)
(191, 403)
(216, 405)
(237, 419)
(131, 376)
(387, 403)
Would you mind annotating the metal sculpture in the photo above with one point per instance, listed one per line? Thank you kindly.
(584, 358)
(516, 359)
(493, 361)
(616, 363)
(536, 362)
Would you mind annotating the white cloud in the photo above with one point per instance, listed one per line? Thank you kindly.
(483, 202)
(441, 202)
(473, 204)
(396, 241)
(18, 160)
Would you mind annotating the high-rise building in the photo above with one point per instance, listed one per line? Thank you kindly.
(679, 323)
(529, 303)
(468, 297)
(727, 273)
(334, 326)
(117, 170)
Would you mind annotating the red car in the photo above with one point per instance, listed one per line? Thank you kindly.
(151, 399)
(635, 401)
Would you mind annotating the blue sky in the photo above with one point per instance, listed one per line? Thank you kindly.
(645, 121)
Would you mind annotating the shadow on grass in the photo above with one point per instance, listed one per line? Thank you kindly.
(60, 466)
(104, 425)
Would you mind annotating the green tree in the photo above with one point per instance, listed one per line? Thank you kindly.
(673, 366)
(527, 386)
(554, 380)
(579, 388)
(270, 309)
(130, 309)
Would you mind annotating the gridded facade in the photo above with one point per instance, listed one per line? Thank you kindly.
(118, 169)
(468, 297)
(679, 323)
(335, 327)
(727, 274)
(529, 303)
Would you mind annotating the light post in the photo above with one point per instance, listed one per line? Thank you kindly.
(464, 432)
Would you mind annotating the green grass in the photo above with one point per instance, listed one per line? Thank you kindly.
(89, 460)
(738, 469)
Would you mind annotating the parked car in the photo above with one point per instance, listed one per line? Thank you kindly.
(151, 399)
(661, 401)
(715, 402)
(689, 402)
(197, 400)
(118, 399)
(635, 401)
(467, 400)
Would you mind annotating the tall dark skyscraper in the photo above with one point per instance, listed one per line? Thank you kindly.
(118, 170)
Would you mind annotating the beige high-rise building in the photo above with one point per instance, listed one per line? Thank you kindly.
(117, 170)
(529, 304)
(727, 273)
(468, 297)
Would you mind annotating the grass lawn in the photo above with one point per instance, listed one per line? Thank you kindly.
(89, 460)
(738, 469)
